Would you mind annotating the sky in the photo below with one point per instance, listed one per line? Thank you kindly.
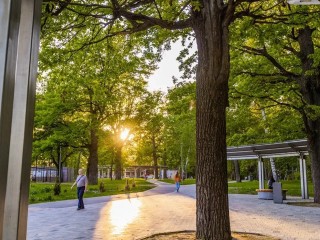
(168, 67)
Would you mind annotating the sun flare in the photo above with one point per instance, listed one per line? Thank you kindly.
(124, 134)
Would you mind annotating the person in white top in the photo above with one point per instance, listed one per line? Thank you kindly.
(82, 186)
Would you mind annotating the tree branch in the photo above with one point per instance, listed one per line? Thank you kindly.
(263, 52)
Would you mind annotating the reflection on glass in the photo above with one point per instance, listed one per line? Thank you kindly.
(123, 212)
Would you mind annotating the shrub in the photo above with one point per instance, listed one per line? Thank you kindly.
(46, 190)
(57, 189)
(48, 198)
(127, 187)
(101, 187)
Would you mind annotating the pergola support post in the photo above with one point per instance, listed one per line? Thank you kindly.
(303, 177)
(136, 172)
(273, 169)
(9, 22)
(19, 46)
(261, 173)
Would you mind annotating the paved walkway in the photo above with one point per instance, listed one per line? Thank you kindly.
(134, 216)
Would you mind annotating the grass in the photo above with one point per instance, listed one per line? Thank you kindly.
(184, 182)
(249, 187)
(43, 192)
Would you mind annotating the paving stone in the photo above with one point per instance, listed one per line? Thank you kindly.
(132, 217)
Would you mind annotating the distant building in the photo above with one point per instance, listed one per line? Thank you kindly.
(49, 174)
(132, 171)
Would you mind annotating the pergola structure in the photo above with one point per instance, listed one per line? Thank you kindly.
(141, 170)
(297, 148)
(19, 46)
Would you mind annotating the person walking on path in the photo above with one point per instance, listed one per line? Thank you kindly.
(82, 186)
(177, 180)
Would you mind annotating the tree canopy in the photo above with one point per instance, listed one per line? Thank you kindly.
(264, 71)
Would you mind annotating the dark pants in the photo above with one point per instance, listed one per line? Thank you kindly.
(80, 192)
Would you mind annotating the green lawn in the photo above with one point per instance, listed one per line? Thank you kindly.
(250, 187)
(293, 187)
(43, 192)
(184, 182)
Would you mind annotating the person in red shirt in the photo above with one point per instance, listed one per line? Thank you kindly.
(177, 180)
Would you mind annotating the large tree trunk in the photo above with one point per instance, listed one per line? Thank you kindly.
(310, 89)
(315, 165)
(211, 30)
(118, 163)
(155, 158)
(92, 170)
(164, 159)
(111, 170)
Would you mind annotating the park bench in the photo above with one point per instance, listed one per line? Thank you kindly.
(268, 193)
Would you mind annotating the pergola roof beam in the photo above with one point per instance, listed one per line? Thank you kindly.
(284, 149)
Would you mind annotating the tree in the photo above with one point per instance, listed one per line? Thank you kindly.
(180, 127)
(150, 131)
(209, 20)
(283, 69)
(55, 136)
(89, 83)
(124, 115)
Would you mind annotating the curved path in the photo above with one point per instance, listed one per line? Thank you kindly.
(134, 216)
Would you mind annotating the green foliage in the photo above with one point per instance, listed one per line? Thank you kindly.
(101, 187)
(90, 83)
(94, 94)
(183, 182)
(268, 73)
(46, 189)
(39, 193)
(57, 189)
(127, 187)
(249, 187)
(149, 133)
(180, 127)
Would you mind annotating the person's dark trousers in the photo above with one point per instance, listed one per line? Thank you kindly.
(80, 192)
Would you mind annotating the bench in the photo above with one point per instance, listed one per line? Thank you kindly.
(265, 194)
(284, 194)
(268, 194)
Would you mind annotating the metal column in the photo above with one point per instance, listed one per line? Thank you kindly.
(261, 173)
(273, 169)
(135, 172)
(9, 22)
(19, 45)
(303, 178)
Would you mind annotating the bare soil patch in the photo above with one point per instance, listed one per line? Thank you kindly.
(304, 204)
(190, 235)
